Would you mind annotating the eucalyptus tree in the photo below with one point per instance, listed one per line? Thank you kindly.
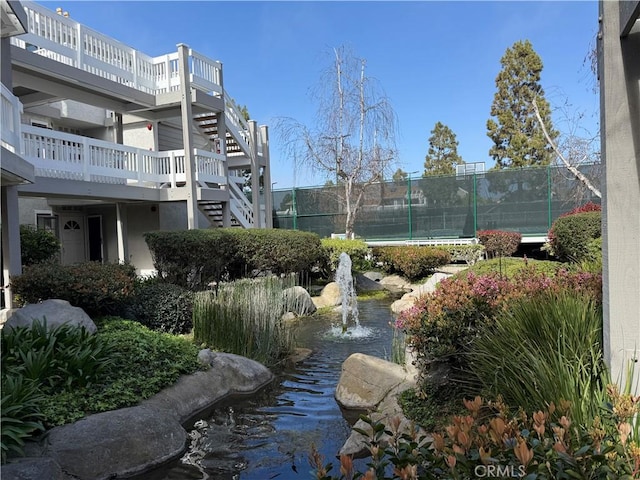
(517, 135)
(442, 156)
(353, 138)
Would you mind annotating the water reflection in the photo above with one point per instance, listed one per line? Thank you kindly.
(269, 436)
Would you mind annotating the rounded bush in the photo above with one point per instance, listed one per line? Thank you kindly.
(37, 245)
(570, 236)
(163, 307)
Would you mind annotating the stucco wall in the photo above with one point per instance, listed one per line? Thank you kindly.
(620, 138)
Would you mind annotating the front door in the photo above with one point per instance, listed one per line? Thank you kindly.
(94, 231)
(72, 237)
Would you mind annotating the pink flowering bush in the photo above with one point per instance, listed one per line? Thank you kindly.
(442, 326)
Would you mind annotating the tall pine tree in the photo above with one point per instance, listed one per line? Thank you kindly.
(442, 156)
(518, 140)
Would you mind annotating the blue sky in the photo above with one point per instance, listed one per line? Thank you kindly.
(437, 61)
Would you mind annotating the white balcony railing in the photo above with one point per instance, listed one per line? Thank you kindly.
(62, 155)
(10, 125)
(67, 41)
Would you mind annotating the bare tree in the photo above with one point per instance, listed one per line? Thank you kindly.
(353, 140)
(572, 151)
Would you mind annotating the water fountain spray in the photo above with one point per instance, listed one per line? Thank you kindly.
(344, 279)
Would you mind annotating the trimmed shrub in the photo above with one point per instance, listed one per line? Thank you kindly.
(163, 307)
(499, 243)
(194, 258)
(278, 251)
(37, 245)
(570, 235)
(413, 262)
(99, 289)
(356, 249)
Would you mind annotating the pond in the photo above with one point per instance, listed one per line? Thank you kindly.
(270, 435)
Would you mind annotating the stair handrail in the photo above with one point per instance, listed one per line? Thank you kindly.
(239, 202)
(236, 124)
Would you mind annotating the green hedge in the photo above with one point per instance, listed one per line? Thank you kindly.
(37, 245)
(571, 235)
(357, 250)
(99, 289)
(194, 258)
(470, 254)
(413, 262)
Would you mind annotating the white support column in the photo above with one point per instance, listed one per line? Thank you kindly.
(619, 73)
(222, 138)
(255, 175)
(11, 260)
(187, 136)
(268, 199)
(121, 232)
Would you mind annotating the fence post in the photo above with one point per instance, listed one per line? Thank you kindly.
(409, 203)
(294, 208)
(549, 213)
(475, 204)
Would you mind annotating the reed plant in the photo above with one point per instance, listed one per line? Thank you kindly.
(542, 349)
(245, 318)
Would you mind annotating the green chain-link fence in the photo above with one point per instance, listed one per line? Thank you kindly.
(523, 200)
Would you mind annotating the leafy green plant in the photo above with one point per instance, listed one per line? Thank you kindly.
(570, 236)
(163, 306)
(99, 289)
(245, 317)
(37, 245)
(357, 250)
(491, 441)
(21, 418)
(65, 356)
(544, 348)
(143, 362)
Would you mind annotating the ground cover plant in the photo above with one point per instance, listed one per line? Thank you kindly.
(55, 376)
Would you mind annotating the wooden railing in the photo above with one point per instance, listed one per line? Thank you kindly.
(62, 155)
(10, 128)
(67, 41)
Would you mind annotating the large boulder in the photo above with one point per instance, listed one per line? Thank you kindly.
(408, 299)
(117, 444)
(329, 297)
(372, 384)
(365, 381)
(298, 301)
(366, 284)
(56, 312)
